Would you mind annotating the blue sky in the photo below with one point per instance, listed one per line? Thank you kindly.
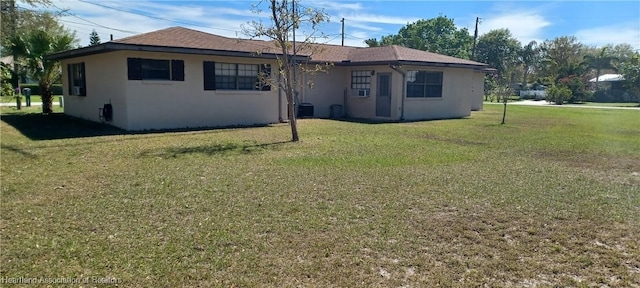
(594, 23)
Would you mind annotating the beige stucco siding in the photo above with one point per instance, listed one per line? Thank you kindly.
(185, 104)
(104, 77)
(147, 105)
(455, 102)
(477, 91)
(365, 107)
(328, 89)
(152, 104)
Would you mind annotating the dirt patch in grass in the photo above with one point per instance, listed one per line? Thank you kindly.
(620, 169)
(350, 205)
(497, 248)
(458, 141)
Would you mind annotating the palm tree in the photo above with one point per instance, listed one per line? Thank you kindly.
(600, 62)
(32, 49)
(529, 57)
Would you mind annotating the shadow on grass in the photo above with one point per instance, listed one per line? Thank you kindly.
(17, 150)
(37, 126)
(213, 149)
(382, 121)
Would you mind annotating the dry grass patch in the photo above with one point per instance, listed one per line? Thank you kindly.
(457, 203)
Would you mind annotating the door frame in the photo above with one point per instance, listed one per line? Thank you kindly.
(378, 95)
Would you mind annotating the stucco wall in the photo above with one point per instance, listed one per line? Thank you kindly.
(104, 77)
(456, 100)
(144, 105)
(328, 89)
(478, 91)
(147, 105)
(182, 104)
(365, 107)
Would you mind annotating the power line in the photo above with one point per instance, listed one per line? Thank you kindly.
(65, 12)
(153, 17)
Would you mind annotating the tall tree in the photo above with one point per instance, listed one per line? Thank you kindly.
(94, 38)
(372, 42)
(13, 20)
(32, 47)
(600, 61)
(500, 50)
(285, 19)
(529, 58)
(631, 71)
(622, 52)
(560, 56)
(438, 35)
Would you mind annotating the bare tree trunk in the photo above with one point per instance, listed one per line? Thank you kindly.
(504, 110)
(47, 98)
(292, 118)
(525, 73)
(290, 91)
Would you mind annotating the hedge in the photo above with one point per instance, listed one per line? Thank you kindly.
(35, 89)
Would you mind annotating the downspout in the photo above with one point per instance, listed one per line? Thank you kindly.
(404, 87)
(345, 100)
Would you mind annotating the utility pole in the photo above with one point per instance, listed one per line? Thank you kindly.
(342, 31)
(13, 11)
(293, 60)
(475, 37)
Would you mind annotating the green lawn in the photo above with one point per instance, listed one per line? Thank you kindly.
(551, 199)
(34, 98)
(631, 104)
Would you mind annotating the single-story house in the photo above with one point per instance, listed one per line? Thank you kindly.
(183, 78)
(608, 78)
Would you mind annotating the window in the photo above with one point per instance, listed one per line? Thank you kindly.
(361, 79)
(231, 76)
(153, 69)
(77, 82)
(424, 84)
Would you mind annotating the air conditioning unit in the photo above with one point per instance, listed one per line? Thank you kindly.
(76, 90)
(363, 93)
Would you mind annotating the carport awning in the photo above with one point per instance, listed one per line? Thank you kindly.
(609, 78)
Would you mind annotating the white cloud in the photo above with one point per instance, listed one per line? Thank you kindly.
(110, 18)
(612, 34)
(524, 26)
(337, 5)
(380, 19)
(213, 17)
(361, 26)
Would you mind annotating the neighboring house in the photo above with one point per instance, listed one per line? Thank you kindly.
(182, 78)
(7, 60)
(608, 78)
(612, 89)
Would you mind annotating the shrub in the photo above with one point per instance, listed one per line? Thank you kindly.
(577, 87)
(558, 94)
(5, 81)
(35, 88)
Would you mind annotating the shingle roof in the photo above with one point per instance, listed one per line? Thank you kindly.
(201, 42)
(188, 38)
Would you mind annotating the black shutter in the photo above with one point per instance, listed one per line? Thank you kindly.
(209, 72)
(134, 67)
(70, 79)
(265, 71)
(177, 70)
(83, 86)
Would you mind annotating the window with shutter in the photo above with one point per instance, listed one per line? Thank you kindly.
(155, 69)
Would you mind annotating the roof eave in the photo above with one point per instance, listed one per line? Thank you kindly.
(111, 46)
(443, 64)
(482, 67)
